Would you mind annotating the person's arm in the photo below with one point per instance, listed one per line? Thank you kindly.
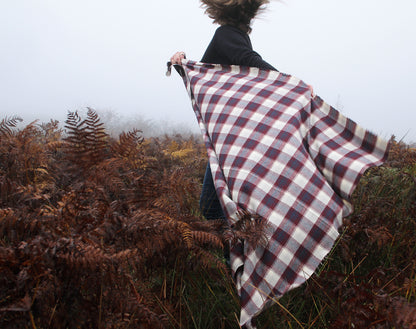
(236, 47)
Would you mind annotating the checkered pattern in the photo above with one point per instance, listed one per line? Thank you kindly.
(280, 153)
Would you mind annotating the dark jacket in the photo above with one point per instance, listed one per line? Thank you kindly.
(229, 46)
(232, 46)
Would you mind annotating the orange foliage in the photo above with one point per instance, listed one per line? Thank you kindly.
(88, 223)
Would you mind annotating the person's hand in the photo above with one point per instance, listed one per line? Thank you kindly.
(312, 92)
(177, 58)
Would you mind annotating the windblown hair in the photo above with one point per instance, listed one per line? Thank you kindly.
(238, 13)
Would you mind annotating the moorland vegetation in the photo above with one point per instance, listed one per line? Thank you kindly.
(104, 232)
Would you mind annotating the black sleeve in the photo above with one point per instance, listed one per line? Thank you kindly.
(236, 47)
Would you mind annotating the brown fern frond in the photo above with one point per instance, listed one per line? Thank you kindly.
(128, 254)
(212, 225)
(96, 136)
(177, 193)
(207, 260)
(73, 120)
(379, 235)
(7, 124)
(81, 257)
(400, 154)
(17, 228)
(185, 231)
(402, 314)
(153, 319)
(128, 145)
(115, 177)
(157, 225)
(23, 161)
(207, 239)
(54, 145)
(51, 131)
(8, 258)
(22, 305)
(86, 140)
(251, 228)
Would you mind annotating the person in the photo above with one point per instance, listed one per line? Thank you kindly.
(230, 45)
(294, 167)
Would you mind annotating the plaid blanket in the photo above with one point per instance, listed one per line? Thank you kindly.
(288, 157)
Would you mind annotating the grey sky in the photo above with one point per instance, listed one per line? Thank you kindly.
(59, 56)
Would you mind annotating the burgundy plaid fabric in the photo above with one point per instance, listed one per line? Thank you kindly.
(286, 156)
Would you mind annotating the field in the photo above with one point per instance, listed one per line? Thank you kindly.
(104, 232)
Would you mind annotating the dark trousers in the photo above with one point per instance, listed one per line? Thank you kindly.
(209, 203)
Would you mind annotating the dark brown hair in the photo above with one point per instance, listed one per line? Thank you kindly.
(238, 13)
